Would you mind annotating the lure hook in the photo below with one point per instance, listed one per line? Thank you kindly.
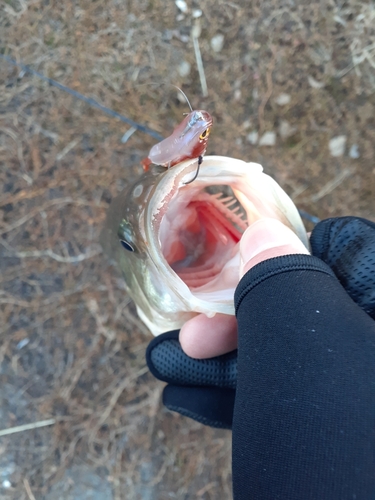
(200, 160)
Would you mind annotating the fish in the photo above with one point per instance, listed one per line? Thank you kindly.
(177, 243)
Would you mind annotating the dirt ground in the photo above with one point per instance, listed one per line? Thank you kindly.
(72, 348)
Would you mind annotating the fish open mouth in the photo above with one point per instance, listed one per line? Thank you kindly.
(193, 230)
(199, 236)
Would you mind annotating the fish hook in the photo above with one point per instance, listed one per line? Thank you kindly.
(200, 160)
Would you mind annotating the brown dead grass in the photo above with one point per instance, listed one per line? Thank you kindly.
(82, 356)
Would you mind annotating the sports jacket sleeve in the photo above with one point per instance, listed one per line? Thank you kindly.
(304, 417)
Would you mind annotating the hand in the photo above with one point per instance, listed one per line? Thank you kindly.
(205, 389)
(204, 337)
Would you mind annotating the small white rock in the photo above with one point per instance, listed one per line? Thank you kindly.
(286, 130)
(246, 124)
(339, 20)
(217, 42)
(184, 68)
(314, 83)
(180, 17)
(283, 99)
(197, 13)
(268, 139)
(6, 483)
(337, 145)
(182, 5)
(354, 152)
(237, 95)
(253, 137)
(22, 343)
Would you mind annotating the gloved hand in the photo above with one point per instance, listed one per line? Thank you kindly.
(204, 389)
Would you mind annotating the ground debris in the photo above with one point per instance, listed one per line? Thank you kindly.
(71, 344)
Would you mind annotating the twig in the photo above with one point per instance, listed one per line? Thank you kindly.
(59, 201)
(195, 35)
(332, 184)
(268, 94)
(28, 489)
(67, 148)
(206, 488)
(170, 460)
(27, 194)
(36, 254)
(115, 396)
(27, 427)
(93, 307)
(75, 374)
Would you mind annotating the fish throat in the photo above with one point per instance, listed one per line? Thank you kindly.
(200, 232)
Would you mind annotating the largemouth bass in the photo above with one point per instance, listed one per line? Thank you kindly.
(177, 243)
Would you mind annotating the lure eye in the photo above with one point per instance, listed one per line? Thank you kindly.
(127, 246)
(205, 134)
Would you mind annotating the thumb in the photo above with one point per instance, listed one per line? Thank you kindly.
(267, 238)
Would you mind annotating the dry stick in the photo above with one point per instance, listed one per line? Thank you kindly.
(27, 427)
(59, 201)
(168, 462)
(67, 148)
(332, 184)
(117, 393)
(26, 194)
(30, 494)
(37, 254)
(195, 35)
(268, 94)
(79, 367)
(206, 488)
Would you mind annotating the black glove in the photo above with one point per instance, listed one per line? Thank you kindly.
(202, 389)
(347, 245)
(205, 389)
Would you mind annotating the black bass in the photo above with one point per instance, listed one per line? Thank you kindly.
(177, 243)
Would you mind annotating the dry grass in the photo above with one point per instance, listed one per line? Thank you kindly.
(72, 347)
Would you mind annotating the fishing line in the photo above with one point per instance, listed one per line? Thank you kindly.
(91, 102)
(87, 100)
(307, 216)
(159, 84)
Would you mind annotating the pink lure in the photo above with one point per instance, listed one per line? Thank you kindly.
(188, 140)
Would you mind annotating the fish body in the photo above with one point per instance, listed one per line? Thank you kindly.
(188, 140)
(177, 244)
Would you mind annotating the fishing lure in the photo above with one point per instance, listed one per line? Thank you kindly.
(188, 140)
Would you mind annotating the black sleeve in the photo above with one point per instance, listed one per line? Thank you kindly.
(304, 418)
